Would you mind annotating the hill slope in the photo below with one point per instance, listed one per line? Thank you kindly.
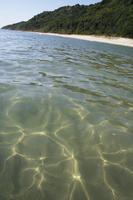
(109, 17)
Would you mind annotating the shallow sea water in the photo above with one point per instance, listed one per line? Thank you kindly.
(66, 119)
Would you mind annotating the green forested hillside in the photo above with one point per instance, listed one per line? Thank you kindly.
(109, 17)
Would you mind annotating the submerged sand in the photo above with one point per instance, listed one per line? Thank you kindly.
(110, 40)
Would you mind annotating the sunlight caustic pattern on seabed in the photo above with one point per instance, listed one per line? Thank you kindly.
(46, 156)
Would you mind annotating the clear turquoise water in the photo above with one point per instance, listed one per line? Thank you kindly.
(66, 119)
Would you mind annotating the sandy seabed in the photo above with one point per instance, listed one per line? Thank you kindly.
(103, 39)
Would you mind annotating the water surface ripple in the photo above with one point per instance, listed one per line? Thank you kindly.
(66, 119)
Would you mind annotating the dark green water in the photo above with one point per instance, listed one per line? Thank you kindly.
(66, 119)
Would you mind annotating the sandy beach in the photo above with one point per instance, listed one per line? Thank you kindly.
(110, 40)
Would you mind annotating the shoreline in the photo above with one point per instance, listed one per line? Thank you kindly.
(121, 41)
(94, 38)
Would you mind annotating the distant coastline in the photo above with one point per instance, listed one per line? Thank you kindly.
(108, 19)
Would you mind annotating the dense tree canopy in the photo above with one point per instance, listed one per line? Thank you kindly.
(109, 17)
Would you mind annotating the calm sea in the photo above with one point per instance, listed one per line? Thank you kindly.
(66, 119)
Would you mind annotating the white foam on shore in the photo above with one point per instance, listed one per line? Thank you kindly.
(103, 39)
